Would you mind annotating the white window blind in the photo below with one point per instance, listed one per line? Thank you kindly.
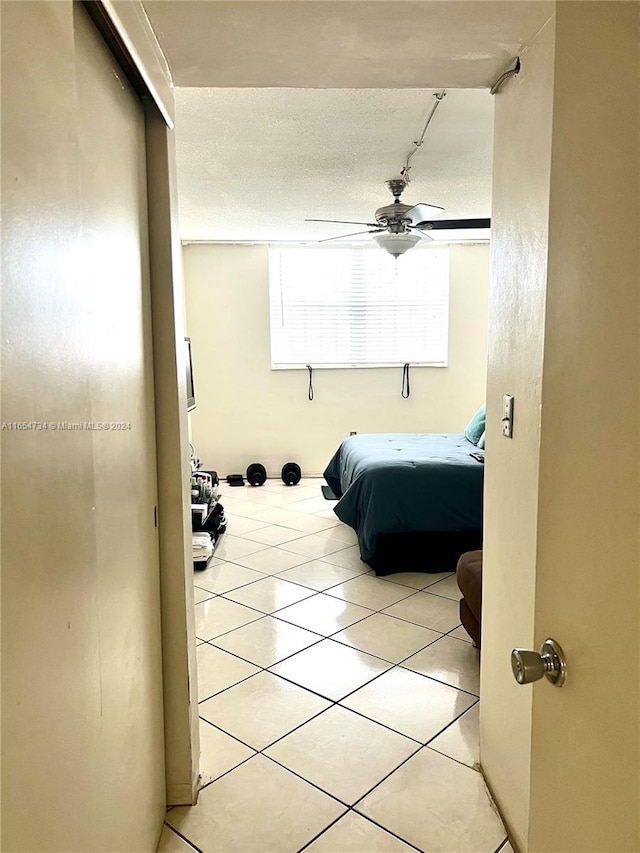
(358, 307)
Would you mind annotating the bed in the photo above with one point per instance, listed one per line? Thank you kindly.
(414, 500)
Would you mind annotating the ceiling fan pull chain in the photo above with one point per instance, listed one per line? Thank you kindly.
(406, 387)
(310, 369)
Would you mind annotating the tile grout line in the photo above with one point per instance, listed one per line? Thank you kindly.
(184, 838)
(370, 820)
(380, 826)
(455, 720)
(322, 831)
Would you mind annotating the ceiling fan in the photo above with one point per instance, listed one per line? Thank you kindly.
(399, 227)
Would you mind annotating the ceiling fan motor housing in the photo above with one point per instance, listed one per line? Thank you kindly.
(392, 215)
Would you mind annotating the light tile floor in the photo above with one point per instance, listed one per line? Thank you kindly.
(339, 710)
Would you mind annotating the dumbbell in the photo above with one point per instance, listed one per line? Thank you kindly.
(291, 474)
(235, 479)
(256, 474)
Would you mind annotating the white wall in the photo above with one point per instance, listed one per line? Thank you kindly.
(248, 413)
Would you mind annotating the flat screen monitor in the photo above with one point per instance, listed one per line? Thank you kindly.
(191, 394)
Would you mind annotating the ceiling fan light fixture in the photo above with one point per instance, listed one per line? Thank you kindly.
(397, 244)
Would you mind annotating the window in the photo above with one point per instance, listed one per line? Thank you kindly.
(358, 307)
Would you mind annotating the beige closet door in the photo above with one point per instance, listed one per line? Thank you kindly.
(83, 757)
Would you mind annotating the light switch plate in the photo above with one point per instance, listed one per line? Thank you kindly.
(507, 416)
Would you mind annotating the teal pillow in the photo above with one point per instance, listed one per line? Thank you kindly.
(475, 427)
(481, 442)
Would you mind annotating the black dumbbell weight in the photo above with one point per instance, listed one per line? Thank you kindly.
(256, 474)
(291, 474)
(235, 479)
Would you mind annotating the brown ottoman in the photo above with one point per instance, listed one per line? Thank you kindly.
(469, 577)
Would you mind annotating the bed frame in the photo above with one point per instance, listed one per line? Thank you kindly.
(438, 551)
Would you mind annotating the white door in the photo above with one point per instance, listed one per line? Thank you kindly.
(562, 502)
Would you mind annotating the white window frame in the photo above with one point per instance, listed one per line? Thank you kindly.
(437, 257)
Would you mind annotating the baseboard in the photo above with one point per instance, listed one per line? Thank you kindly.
(183, 793)
(496, 804)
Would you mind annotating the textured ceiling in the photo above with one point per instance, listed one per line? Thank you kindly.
(253, 163)
(287, 109)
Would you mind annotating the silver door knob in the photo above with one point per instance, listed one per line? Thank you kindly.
(530, 666)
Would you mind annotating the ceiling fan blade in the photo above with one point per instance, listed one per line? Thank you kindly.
(420, 232)
(345, 222)
(355, 234)
(421, 212)
(450, 224)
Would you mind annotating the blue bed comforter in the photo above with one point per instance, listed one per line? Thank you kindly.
(393, 483)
